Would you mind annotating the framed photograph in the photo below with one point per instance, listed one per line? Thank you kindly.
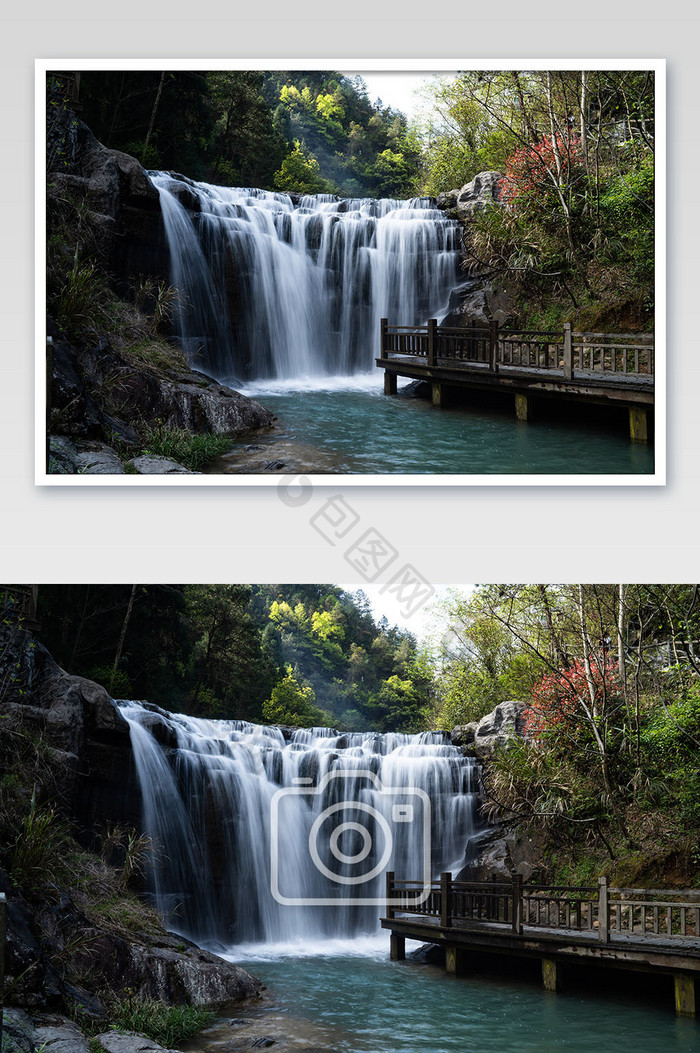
(385, 272)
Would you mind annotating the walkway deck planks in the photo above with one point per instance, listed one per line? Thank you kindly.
(652, 930)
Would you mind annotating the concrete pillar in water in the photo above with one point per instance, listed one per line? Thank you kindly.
(638, 424)
(453, 959)
(550, 975)
(439, 394)
(684, 988)
(389, 383)
(397, 947)
(521, 406)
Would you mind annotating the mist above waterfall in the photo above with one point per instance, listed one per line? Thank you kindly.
(275, 287)
(262, 838)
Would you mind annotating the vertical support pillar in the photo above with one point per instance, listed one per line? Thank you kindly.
(389, 894)
(550, 975)
(684, 990)
(603, 909)
(493, 345)
(453, 959)
(432, 341)
(638, 424)
(517, 904)
(568, 352)
(389, 383)
(521, 406)
(383, 334)
(397, 945)
(439, 395)
(445, 894)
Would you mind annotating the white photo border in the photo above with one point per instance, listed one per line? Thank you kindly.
(408, 65)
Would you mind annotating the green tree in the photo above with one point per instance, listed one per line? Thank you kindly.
(293, 703)
(300, 173)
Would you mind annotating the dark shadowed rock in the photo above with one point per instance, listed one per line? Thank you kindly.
(18, 1034)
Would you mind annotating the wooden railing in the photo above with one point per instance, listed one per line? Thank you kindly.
(566, 352)
(598, 909)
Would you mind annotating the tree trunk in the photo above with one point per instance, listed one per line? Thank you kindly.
(122, 635)
(153, 116)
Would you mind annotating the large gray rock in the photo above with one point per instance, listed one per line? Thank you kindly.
(18, 1034)
(152, 464)
(64, 1037)
(500, 854)
(161, 969)
(481, 738)
(483, 192)
(127, 1042)
(97, 458)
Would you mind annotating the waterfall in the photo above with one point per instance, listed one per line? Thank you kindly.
(272, 286)
(258, 837)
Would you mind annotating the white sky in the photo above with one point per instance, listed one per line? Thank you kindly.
(422, 623)
(397, 89)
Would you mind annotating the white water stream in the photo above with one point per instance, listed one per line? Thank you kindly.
(263, 840)
(272, 287)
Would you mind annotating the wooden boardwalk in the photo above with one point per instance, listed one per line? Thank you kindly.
(592, 368)
(647, 930)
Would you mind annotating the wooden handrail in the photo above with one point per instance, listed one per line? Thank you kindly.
(492, 347)
(553, 907)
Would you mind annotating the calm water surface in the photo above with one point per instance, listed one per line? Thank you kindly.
(366, 432)
(367, 1004)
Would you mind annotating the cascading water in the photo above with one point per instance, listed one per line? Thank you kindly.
(260, 839)
(272, 288)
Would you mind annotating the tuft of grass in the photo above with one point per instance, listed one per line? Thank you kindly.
(40, 848)
(126, 915)
(83, 304)
(169, 1025)
(156, 356)
(187, 448)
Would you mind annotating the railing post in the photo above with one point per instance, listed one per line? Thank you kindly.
(603, 909)
(568, 352)
(445, 893)
(432, 334)
(493, 345)
(383, 327)
(389, 893)
(518, 904)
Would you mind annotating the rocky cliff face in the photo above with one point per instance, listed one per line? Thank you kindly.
(499, 852)
(62, 953)
(104, 201)
(86, 738)
(482, 297)
(124, 205)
